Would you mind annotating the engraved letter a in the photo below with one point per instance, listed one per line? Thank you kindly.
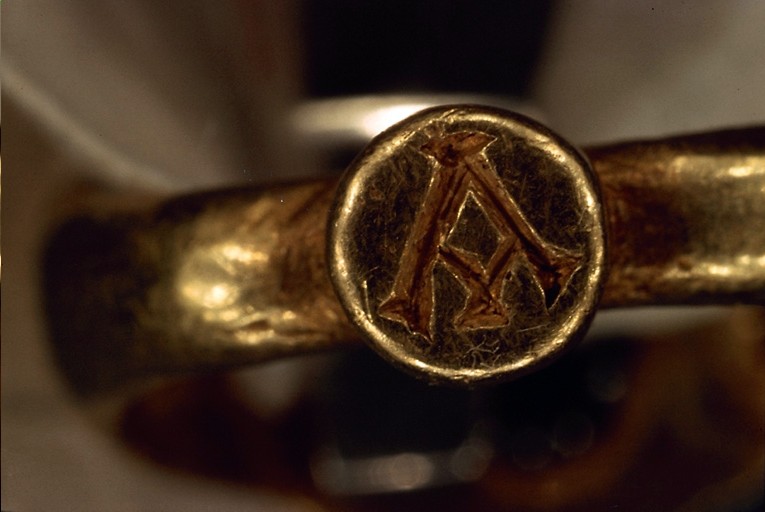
(462, 167)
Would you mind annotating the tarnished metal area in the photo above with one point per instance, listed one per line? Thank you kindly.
(207, 281)
(686, 218)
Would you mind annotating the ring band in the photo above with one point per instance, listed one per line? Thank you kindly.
(241, 276)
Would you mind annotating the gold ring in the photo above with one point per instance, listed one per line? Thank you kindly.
(465, 244)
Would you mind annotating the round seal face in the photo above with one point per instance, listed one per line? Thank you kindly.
(467, 243)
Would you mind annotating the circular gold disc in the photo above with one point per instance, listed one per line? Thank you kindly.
(467, 243)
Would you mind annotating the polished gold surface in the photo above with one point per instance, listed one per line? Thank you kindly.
(508, 275)
(468, 244)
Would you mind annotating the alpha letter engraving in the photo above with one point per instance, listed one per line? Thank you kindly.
(462, 168)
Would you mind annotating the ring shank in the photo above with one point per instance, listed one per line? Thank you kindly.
(685, 219)
(209, 281)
